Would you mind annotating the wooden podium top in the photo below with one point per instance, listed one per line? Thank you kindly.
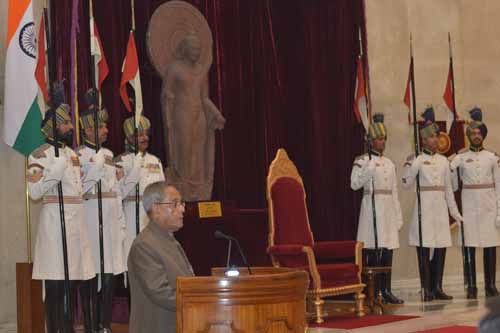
(269, 300)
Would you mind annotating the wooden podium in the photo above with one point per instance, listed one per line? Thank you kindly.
(271, 300)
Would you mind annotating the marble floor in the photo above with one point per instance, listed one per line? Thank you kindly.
(459, 311)
(8, 328)
(436, 314)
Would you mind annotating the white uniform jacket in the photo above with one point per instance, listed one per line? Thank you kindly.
(382, 172)
(100, 166)
(480, 175)
(48, 261)
(143, 170)
(437, 198)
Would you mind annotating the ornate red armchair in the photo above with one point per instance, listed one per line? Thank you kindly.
(334, 267)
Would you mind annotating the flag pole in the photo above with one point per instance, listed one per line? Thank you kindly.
(369, 147)
(74, 70)
(136, 139)
(465, 255)
(28, 212)
(75, 95)
(417, 150)
(51, 58)
(95, 85)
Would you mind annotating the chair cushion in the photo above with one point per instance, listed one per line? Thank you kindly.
(290, 213)
(334, 250)
(335, 275)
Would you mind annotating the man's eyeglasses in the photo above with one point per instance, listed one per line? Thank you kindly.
(174, 203)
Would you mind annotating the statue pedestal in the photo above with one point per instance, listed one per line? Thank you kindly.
(204, 251)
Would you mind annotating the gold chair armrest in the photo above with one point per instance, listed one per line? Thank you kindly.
(313, 269)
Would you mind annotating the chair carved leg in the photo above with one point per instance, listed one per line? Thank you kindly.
(318, 304)
(360, 299)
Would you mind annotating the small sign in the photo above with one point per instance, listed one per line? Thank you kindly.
(210, 209)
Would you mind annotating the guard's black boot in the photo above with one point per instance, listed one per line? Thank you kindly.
(490, 260)
(371, 258)
(106, 299)
(437, 271)
(470, 272)
(424, 270)
(52, 306)
(88, 297)
(385, 284)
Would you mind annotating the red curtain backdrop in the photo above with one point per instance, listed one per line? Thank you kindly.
(283, 76)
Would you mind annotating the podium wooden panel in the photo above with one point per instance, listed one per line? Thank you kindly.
(271, 300)
(30, 312)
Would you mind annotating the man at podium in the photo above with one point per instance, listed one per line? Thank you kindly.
(155, 261)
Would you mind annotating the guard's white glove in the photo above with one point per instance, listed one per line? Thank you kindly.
(56, 169)
(371, 165)
(497, 222)
(416, 165)
(400, 224)
(457, 217)
(455, 162)
(99, 158)
(138, 159)
(119, 174)
(59, 164)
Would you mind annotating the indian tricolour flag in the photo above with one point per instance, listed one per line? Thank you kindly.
(22, 114)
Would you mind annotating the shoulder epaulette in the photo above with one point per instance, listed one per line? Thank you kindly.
(494, 153)
(359, 157)
(451, 157)
(78, 149)
(40, 151)
(119, 158)
(463, 150)
(410, 158)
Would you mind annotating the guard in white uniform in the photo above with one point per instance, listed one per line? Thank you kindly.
(479, 172)
(44, 173)
(143, 169)
(436, 195)
(377, 169)
(100, 166)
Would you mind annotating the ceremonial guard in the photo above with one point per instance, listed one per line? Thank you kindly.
(376, 170)
(99, 166)
(45, 171)
(141, 169)
(435, 194)
(479, 171)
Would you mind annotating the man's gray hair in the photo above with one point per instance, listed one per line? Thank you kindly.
(153, 193)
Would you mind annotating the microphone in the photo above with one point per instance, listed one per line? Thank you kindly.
(220, 235)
